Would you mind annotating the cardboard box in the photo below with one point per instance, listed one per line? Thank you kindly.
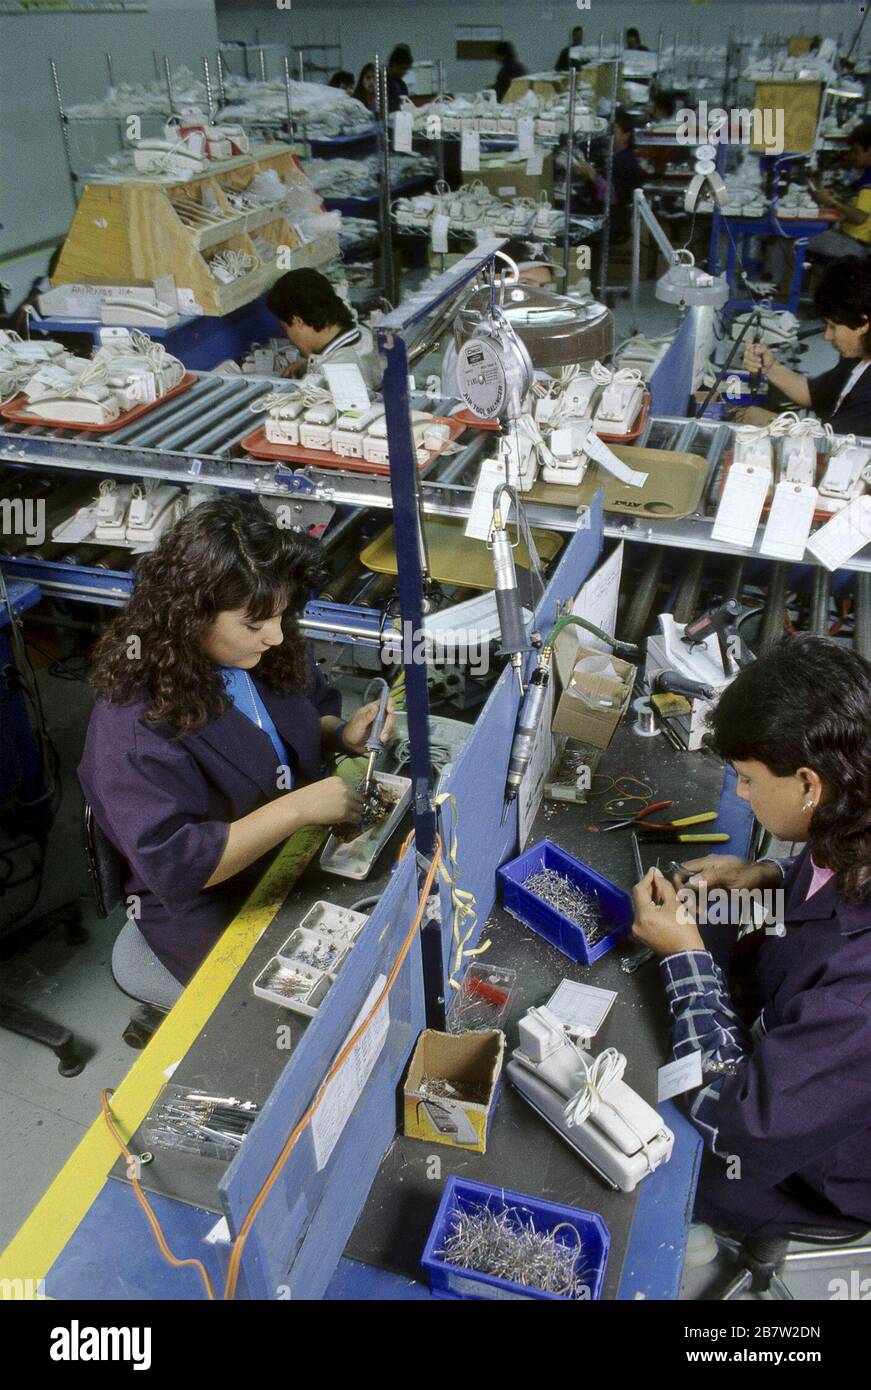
(580, 713)
(510, 180)
(462, 1059)
(799, 103)
(546, 87)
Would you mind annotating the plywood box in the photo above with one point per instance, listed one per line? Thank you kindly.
(132, 231)
(799, 103)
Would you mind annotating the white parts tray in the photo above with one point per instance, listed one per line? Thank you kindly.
(355, 858)
(331, 950)
(324, 923)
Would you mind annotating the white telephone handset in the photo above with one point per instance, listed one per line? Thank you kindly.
(588, 1104)
(122, 311)
(845, 476)
(620, 403)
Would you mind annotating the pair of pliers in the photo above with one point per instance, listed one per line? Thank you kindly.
(642, 822)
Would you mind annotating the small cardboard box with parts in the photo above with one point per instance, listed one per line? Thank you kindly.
(595, 697)
(452, 1087)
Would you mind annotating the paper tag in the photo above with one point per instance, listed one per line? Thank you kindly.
(535, 161)
(165, 290)
(597, 449)
(187, 303)
(402, 132)
(344, 1090)
(470, 151)
(481, 511)
(848, 532)
(509, 191)
(582, 1008)
(439, 231)
(741, 504)
(525, 135)
(347, 387)
(789, 521)
(674, 1078)
(108, 335)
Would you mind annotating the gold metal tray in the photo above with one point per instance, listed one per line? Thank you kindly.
(674, 487)
(453, 557)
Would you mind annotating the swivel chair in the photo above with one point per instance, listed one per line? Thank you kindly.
(763, 1260)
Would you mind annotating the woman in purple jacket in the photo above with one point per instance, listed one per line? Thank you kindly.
(781, 1014)
(196, 767)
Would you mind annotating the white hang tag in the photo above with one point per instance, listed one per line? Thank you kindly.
(347, 387)
(789, 521)
(848, 532)
(684, 1074)
(525, 135)
(596, 448)
(741, 504)
(481, 511)
(439, 231)
(403, 129)
(535, 162)
(470, 151)
(109, 335)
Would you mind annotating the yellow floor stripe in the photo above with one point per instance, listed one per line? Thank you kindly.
(32, 1251)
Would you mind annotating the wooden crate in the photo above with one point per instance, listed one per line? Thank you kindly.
(800, 104)
(132, 231)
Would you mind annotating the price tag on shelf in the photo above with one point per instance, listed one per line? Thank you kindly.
(848, 532)
(439, 231)
(470, 151)
(403, 128)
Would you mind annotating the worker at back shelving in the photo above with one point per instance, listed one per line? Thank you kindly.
(840, 397)
(322, 327)
(781, 1011)
(212, 729)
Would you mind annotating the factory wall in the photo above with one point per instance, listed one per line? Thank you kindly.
(35, 197)
(537, 28)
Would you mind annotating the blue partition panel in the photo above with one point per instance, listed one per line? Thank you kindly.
(298, 1237)
(477, 781)
(672, 381)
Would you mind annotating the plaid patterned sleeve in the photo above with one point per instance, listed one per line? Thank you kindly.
(704, 1021)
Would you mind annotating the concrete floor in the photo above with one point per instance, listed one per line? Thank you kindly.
(45, 1115)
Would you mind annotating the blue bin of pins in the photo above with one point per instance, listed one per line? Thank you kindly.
(614, 904)
(581, 1233)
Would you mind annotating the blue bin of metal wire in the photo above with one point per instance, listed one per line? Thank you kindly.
(615, 905)
(568, 1246)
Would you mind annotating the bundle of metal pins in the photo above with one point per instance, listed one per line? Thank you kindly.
(290, 984)
(317, 957)
(502, 1244)
(579, 907)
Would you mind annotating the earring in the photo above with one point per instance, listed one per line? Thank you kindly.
(809, 806)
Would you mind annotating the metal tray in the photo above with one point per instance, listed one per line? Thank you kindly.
(355, 858)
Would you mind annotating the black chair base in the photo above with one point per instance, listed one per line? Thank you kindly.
(762, 1260)
(30, 1023)
(143, 1025)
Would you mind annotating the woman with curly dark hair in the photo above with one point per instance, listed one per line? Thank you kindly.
(195, 767)
(781, 1015)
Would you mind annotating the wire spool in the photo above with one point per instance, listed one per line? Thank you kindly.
(645, 718)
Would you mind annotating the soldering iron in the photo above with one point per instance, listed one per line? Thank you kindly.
(532, 709)
(373, 742)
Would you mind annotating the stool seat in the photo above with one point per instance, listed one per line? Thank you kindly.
(138, 971)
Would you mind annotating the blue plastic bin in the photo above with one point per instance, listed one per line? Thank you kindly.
(616, 904)
(451, 1281)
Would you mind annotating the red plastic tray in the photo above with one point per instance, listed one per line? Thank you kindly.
(259, 447)
(15, 412)
(475, 423)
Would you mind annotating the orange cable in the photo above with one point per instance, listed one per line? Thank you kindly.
(143, 1201)
(305, 1120)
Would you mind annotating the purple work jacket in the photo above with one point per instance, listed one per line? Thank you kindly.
(799, 1113)
(166, 803)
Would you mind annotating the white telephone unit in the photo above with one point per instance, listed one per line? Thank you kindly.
(847, 472)
(121, 311)
(151, 510)
(112, 504)
(618, 408)
(92, 405)
(578, 396)
(168, 157)
(799, 459)
(316, 426)
(518, 452)
(282, 418)
(588, 1104)
(375, 446)
(350, 431)
(752, 445)
(567, 446)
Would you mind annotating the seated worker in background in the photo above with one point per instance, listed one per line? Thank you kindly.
(782, 1013)
(633, 42)
(626, 176)
(343, 80)
(662, 105)
(321, 326)
(854, 214)
(194, 768)
(399, 64)
(840, 397)
(565, 62)
(511, 68)
(365, 88)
